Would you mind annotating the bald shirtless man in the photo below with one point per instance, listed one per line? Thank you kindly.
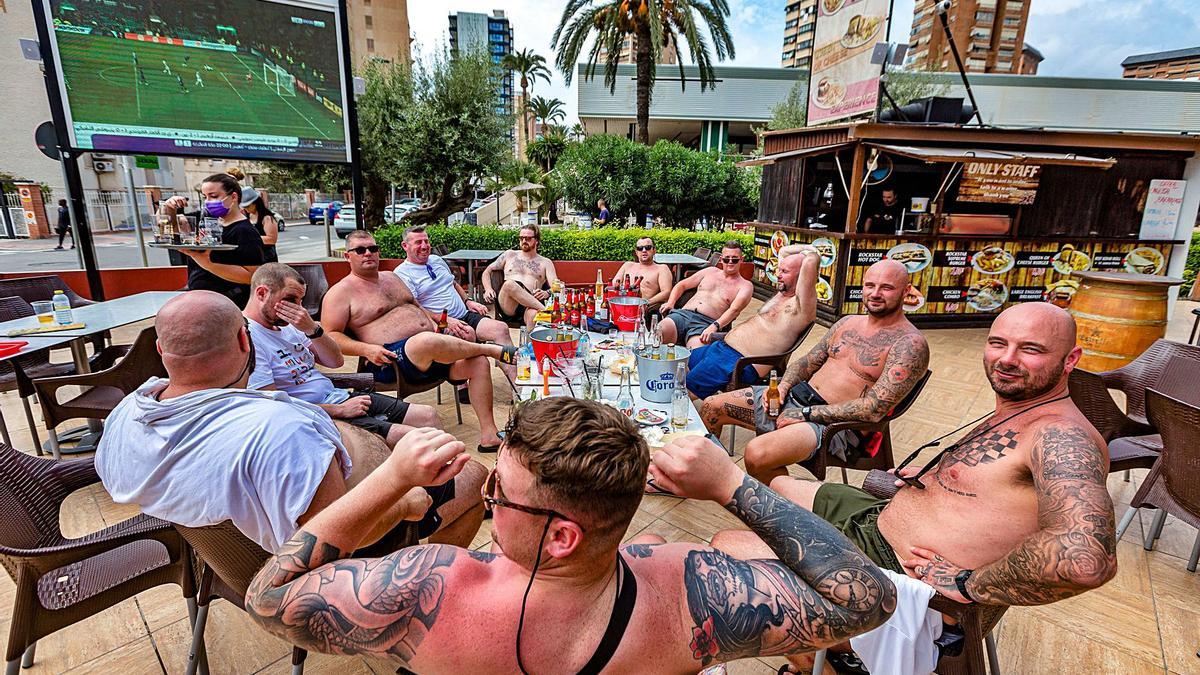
(199, 448)
(562, 594)
(375, 316)
(656, 279)
(859, 371)
(721, 295)
(521, 296)
(1017, 511)
(772, 331)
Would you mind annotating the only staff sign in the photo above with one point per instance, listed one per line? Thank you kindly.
(999, 183)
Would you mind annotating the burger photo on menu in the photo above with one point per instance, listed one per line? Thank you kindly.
(987, 295)
(1069, 259)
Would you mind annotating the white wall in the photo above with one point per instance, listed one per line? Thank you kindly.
(23, 106)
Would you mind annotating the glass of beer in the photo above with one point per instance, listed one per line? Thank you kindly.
(44, 310)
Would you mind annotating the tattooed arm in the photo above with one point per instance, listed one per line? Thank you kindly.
(905, 365)
(804, 367)
(1075, 547)
(820, 592)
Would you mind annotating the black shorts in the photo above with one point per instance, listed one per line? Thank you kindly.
(383, 412)
(440, 494)
(437, 372)
(472, 319)
(520, 310)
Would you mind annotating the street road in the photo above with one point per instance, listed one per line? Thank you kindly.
(298, 243)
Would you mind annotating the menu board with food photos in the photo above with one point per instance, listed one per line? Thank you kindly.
(952, 277)
(767, 244)
(844, 82)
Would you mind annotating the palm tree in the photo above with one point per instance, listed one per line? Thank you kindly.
(529, 66)
(545, 110)
(577, 132)
(653, 25)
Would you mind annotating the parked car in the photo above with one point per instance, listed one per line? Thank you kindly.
(345, 222)
(316, 212)
(476, 204)
(398, 212)
(414, 201)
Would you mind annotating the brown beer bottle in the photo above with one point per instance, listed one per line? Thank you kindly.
(443, 322)
(771, 400)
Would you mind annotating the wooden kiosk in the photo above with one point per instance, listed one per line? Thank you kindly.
(982, 217)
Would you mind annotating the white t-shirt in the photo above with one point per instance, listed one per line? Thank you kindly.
(253, 457)
(433, 294)
(283, 358)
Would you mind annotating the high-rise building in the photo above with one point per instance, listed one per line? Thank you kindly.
(1177, 64)
(800, 20)
(990, 35)
(1031, 58)
(669, 55)
(493, 34)
(379, 30)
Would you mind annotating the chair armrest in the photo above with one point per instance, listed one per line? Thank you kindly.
(73, 474)
(354, 381)
(778, 361)
(880, 484)
(72, 550)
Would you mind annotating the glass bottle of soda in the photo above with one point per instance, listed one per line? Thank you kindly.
(771, 399)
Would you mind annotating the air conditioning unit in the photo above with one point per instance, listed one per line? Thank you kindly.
(96, 156)
(104, 167)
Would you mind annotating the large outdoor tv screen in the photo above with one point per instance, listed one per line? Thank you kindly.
(253, 79)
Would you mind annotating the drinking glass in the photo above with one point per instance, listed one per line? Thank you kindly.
(571, 368)
(209, 231)
(44, 310)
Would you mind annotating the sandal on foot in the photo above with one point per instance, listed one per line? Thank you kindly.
(653, 488)
(488, 449)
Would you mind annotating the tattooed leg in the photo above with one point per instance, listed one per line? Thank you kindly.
(733, 407)
(768, 455)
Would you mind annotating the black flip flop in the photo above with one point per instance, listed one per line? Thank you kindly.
(488, 449)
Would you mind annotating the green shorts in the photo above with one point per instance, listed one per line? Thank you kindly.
(856, 514)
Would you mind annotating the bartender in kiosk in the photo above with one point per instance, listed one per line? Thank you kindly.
(885, 216)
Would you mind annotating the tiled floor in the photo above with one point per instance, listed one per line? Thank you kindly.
(1147, 620)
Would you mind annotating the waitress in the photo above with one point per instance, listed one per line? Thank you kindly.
(264, 221)
(224, 272)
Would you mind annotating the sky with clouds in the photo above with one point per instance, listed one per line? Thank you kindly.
(1079, 38)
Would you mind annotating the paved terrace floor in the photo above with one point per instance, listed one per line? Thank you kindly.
(1146, 620)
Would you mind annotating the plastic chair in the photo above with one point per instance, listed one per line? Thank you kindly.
(403, 389)
(883, 459)
(1171, 485)
(59, 580)
(977, 621)
(103, 389)
(764, 363)
(17, 374)
(702, 252)
(1131, 444)
(315, 286)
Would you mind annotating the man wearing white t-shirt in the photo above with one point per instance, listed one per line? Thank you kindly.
(433, 285)
(289, 345)
(199, 448)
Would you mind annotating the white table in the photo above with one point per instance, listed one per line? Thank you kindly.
(679, 261)
(611, 388)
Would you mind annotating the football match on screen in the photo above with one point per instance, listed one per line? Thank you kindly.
(201, 77)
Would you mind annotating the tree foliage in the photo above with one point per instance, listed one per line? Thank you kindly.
(653, 25)
(529, 67)
(911, 84)
(667, 180)
(791, 112)
(435, 128)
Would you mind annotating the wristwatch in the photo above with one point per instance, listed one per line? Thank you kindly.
(316, 334)
(805, 412)
(960, 580)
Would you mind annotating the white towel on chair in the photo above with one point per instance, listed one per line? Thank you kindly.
(904, 644)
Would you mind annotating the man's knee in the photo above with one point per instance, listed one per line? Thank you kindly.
(496, 331)
(801, 492)
(422, 416)
(469, 481)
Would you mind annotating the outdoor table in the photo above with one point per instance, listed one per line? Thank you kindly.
(611, 388)
(472, 256)
(679, 261)
(36, 343)
(96, 318)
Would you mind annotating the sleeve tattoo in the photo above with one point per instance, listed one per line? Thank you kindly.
(384, 606)
(820, 592)
(1075, 547)
(905, 365)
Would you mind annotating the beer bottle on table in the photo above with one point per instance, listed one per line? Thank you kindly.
(443, 322)
(626, 285)
(524, 357)
(680, 401)
(556, 314)
(589, 307)
(771, 400)
(601, 309)
(575, 313)
(599, 284)
(637, 288)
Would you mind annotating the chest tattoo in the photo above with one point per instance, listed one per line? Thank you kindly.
(988, 448)
(865, 351)
(520, 266)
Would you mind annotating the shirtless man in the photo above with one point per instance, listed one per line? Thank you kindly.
(772, 331)
(721, 295)
(859, 371)
(656, 279)
(375, 316)
(564, 490)
(525, 272)
(1017, 511)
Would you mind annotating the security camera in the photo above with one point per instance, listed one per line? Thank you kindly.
(942, 7)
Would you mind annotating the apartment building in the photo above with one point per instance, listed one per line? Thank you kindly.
(1178, 64)
(990, 35)
(379, 29)
(800, 22)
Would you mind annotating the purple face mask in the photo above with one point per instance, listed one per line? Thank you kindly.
(216, 208)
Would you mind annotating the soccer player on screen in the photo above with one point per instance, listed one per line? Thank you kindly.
(199, 80)
(142, 76)
(182, 87)
(166, 68)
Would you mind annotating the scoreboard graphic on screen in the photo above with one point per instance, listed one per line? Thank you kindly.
(254, 79)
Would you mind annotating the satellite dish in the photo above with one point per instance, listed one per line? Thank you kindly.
(47, 140)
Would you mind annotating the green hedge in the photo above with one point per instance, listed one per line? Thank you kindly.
(1191, 267)
(606, 243)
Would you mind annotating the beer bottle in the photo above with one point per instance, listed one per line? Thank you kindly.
(681, 403)
(771, 399)
(443, 322)
(599, 284)
(575, 313)
(637, 288)
(590, 306)
(626, 285)
(556, 314)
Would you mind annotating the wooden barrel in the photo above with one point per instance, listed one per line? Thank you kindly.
(1119, 316)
